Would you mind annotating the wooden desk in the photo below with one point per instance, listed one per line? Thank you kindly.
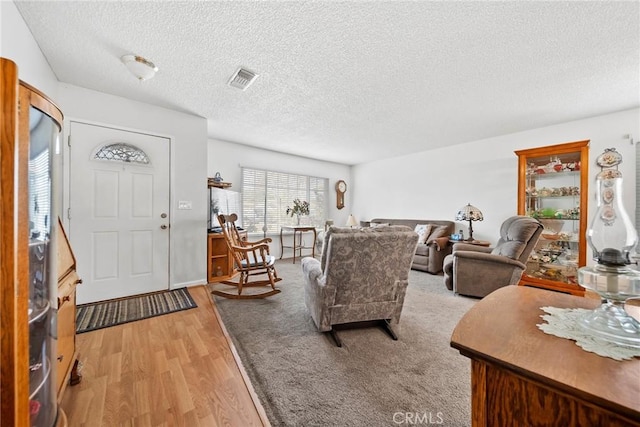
(297, 240)
(521, 376)
(67, 371)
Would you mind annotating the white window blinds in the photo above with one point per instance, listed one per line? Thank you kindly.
(267, 194)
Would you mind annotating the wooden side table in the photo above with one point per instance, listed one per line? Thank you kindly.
(521, 376)
(472, 242)
(298, 243)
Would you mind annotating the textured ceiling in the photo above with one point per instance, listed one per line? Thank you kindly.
(354, 81)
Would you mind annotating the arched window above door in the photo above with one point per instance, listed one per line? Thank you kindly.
(122, 152)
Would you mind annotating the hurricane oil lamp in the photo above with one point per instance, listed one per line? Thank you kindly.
(612, 238)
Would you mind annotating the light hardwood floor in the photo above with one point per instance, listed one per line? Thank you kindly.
(173, 370)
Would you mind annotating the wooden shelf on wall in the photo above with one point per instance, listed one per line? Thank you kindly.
(212, 183)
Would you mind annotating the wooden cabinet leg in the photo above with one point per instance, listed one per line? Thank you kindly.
(75, 374)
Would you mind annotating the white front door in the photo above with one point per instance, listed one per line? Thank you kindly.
(119, 211)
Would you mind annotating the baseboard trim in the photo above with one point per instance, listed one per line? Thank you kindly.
(188, 284)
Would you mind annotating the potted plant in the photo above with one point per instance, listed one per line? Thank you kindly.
(299, 208)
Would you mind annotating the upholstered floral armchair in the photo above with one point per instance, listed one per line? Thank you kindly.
(362, 276)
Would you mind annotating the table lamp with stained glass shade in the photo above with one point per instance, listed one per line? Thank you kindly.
(612, 238)
(469, 213)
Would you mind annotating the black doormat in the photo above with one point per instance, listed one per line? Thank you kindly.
(98, 315)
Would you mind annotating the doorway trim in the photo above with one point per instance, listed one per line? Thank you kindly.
(65, 178)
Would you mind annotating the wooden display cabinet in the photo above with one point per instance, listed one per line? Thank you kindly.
(30, 125)
(553, 188)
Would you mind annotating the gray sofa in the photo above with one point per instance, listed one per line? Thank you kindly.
(429, 256)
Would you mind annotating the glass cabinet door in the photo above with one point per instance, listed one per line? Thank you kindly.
(552, 187)
(40, 126)
(43, 132)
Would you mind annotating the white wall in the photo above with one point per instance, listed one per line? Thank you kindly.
(188, 140)
(435, 184)
(188, 136)
(18, 45)
(431, 185)
(228, 158)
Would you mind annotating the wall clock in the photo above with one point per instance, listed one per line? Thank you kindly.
(341, 188)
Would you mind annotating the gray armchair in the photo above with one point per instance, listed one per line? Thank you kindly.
(477, 271)
(362, 276)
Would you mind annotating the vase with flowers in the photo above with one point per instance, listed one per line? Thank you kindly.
(299, 208)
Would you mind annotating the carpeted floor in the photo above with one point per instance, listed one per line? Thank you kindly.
(303, 379)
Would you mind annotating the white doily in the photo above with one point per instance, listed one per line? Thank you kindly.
(563, 323)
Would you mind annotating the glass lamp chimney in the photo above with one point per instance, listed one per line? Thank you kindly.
(611, 234)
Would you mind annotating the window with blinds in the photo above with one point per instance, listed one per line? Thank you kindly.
(267, 194)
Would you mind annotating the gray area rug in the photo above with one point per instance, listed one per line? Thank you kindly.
(303, 379)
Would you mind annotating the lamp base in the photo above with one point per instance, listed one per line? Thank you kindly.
(470, 238)
(611, 323)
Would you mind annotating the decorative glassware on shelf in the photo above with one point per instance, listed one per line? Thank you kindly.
(556, 256)
(612, 238)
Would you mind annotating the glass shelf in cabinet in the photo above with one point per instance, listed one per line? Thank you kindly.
(552, 264)
(551, 239)
(38, 376)
(554, 272)
(569, 196)
(36, 314)
(550, 175)
(555, 217)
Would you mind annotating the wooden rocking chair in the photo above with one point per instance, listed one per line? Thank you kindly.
(251, 259)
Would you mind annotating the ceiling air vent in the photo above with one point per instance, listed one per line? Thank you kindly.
(242, 78)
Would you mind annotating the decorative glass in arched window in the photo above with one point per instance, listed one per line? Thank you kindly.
(122, 152)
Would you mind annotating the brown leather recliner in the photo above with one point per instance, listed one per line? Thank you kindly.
(477, 271)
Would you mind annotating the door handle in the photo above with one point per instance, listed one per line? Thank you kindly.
(163, 215)
(163, 226)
